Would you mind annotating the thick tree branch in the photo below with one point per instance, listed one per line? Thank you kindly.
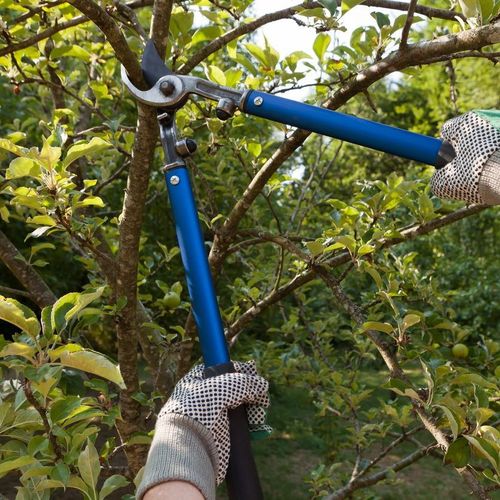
(160, 23)
(38, 290)
(127, 265)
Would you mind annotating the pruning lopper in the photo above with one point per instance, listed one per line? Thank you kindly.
(168, 93)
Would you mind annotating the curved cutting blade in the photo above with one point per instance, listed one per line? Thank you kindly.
(153, 67)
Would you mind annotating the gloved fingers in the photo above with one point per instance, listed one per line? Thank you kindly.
(237, 389)
(247, 367)
(196, 373)
(443, 181)
(256, 415)
(451, 128)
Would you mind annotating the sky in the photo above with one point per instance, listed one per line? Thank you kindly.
(286, 36)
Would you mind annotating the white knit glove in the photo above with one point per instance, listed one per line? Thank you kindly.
(474, 175)
(207, 401)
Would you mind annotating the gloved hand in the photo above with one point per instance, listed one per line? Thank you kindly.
(474, 175)
(191, 441)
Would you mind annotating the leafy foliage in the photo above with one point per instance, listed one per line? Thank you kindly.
(345, 278)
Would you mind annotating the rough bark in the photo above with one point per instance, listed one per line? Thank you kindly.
(25, 273)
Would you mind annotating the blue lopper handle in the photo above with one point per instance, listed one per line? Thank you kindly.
(349, 128)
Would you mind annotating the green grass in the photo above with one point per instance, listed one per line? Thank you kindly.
(287, 457)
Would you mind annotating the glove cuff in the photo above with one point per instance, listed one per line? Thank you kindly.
(489, 182)
(182, 450)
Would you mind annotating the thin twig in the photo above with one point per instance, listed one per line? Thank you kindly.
(409, 21)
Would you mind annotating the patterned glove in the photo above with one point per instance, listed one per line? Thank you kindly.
(474, 175)
(191, 440)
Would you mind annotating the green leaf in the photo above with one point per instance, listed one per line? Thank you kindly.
(41, 220)
(69, 305)
(365, 249)
(93, 362)
(472, 378)
(403, 389)
(55, 354)
(90, 201)
(321, 44)
(14, 464)
(215, 74)
(61, 472)
(483, 414)
(486, 450)
(349, 4)
(410, 320)
(486, 9)
(315, 247)
(17, 349)
(378, 326)
(254, 148)
(111, 484)
(452, 419)
(92, 147)
(381, 18)
(89, 465)
(63, 408)
(22, 167)
(458, 453)
(77, 483)
(470, 8)
(18, 314)
(331, 5)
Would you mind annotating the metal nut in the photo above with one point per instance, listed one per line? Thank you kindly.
(258, 101)
(174, 180)
(167, 88)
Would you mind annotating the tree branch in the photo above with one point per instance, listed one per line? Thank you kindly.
(413, 55)
(162, 9)
(359, 483)
(38, 290)
(406, 28)
(343, 258)
(450, 15)
(241, 30)
(113, 35)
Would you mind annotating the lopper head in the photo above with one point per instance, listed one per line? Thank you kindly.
(170, 91)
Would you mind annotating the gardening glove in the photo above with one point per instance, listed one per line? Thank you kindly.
(191, 441)
(474, 175)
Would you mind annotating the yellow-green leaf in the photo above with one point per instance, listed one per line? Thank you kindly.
(378, 326)
(95, 145)
(22, 167)
(93, 362)
(15, 464)
(41, 220)
(410, 320)
(16, 313)
(89, 466)
(17, 349)
(320, 45)
(216, 75)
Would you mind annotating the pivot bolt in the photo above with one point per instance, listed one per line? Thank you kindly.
(167, 88)
(225, 109)
(174, 180)
(258, 101)
(185, 147)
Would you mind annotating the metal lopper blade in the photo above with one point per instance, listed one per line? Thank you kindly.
(153, 67)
